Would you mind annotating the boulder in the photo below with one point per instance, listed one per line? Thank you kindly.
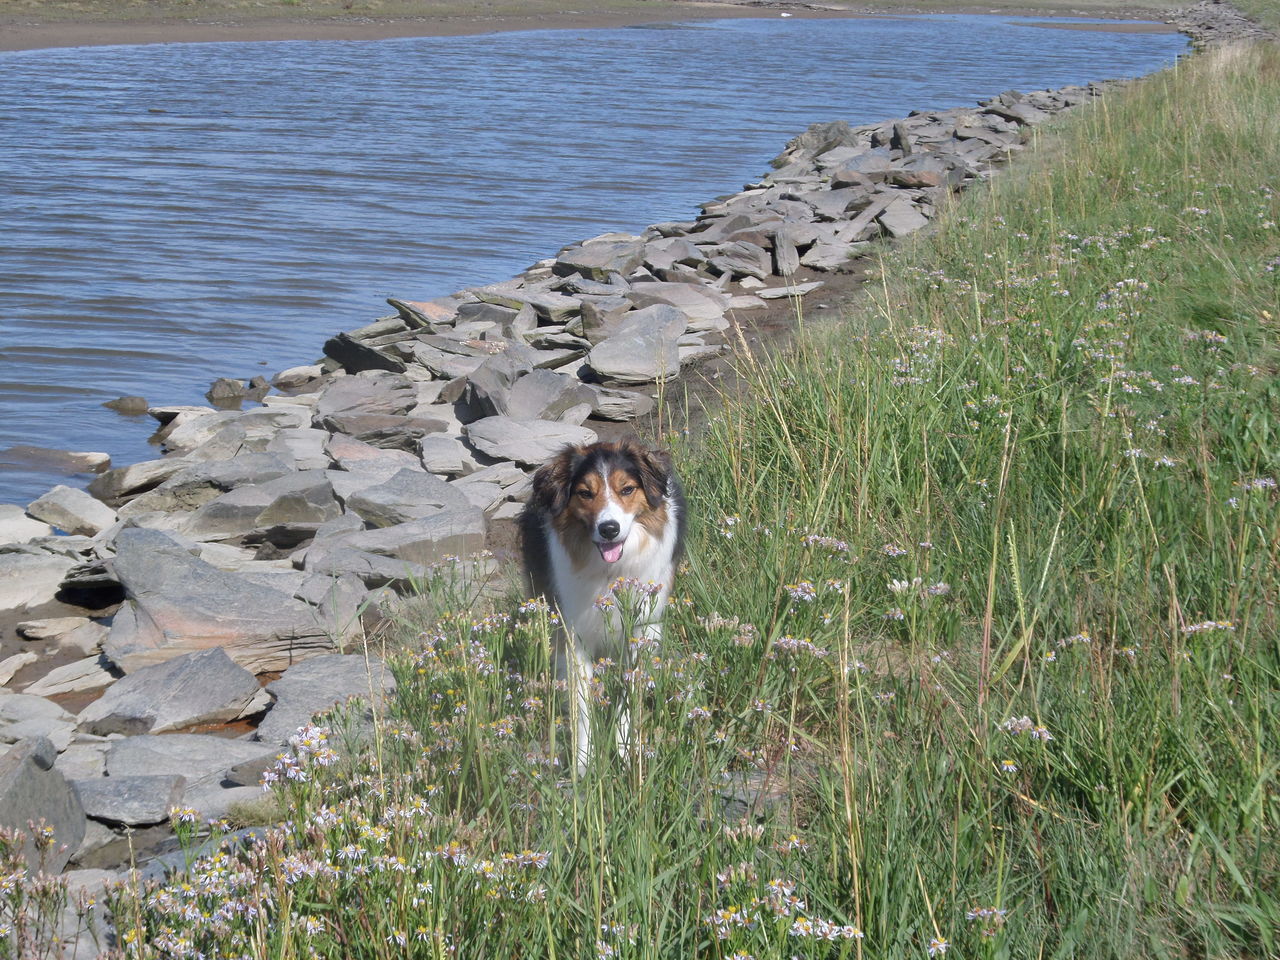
(23, 716)
(202, 759)
(194, 484)
(9, 666)
(355, 356)
(457, 531)
(194, 688)
(446, 456)
(130, 801)
(643, 349)
(17, 526)
(901, 218)
(405, 495)
(319, 684)
(530, 442)
(130, 406)
(30, 581)
(178, 604)
(742, 259)
(78, 634)
(72, 511)
(302, 497)
(599, 259)
(383, 393)
(31, 790)
(696, 301)
(91, 673)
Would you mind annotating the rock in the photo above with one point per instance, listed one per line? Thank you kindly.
(382, 430)
(91, 673)
(296, 378)
(131, 801)
(30, 581)
(194, 688)
(695, 301)
(901, 218)
(319, 684)
(829, 256)
(643, 349)
(72, 511)
(31, 790)
(667, 252)
(544, 395)
(446, 456)
(355, 356)
(455, 532)
(302, 497)
(620, 404)
(84, 759)
(418, 313)
(405, 495)
(794, 290)
(179, 604)
(530, 442)
(382, 393)
(203, 760)
(122, 482)
(224, 389)
(334, 558)
(742, 259)
(11, 665)
(131, 406)
(78, 634)
(599, 259)
(340, 603)
(59, 461)
(305, 446)
(16, 526)
(23, 716)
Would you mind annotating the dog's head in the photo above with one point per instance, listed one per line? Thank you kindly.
(602, 491)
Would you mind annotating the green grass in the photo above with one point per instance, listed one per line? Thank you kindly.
(977, 646)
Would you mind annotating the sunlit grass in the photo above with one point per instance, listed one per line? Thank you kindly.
(975, 653)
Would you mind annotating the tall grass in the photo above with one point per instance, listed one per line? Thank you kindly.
(976, 651)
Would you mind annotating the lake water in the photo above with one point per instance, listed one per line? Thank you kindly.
(170, 214)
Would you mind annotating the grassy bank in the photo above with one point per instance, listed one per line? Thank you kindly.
(108, 11)
(978, 647)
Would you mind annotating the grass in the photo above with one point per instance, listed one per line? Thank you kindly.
(976, 651)
(54, 11)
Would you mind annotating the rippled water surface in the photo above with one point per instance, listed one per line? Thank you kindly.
(176, 213)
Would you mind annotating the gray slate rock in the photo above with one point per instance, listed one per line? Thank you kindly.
(17, 527)
(23, 716)
(599, 259)
(531, 442)
(319, 684)
(179, 604)
(32, 790)
(131, 801)
(407, 494)
(202, 759)
(72, 511)
(30, 581)
(195, 688)
(302, 497)
(644, 348)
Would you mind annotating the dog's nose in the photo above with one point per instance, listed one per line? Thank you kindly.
(608, 529)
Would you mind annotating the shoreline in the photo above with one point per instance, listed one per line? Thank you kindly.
(20, 34)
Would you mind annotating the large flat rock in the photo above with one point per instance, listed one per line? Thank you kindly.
(32, 790)
(317, 685)
(531, 442)
(203, 759)
(199, 687)
(178, 604)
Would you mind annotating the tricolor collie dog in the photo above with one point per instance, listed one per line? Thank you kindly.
(596, 514)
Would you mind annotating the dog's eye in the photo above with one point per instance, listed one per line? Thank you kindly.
(628, 490)
(584, 494)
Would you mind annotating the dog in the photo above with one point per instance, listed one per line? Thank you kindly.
(596, 514)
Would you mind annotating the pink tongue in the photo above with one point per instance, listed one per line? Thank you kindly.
(610, 551)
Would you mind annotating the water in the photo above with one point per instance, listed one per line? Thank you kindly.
(170, 214)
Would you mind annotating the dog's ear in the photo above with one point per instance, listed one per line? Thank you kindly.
(551, 483)
(655, 474)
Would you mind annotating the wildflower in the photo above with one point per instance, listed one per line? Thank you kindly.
(697, 713)
(938, 946)
(893, 550)
(803, 591)
(1008, 766)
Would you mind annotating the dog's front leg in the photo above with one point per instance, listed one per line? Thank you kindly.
(580, 674)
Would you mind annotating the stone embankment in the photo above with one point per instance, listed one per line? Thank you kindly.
(158, 602)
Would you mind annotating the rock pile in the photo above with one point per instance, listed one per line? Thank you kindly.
(1211, 23)
(254, 544)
